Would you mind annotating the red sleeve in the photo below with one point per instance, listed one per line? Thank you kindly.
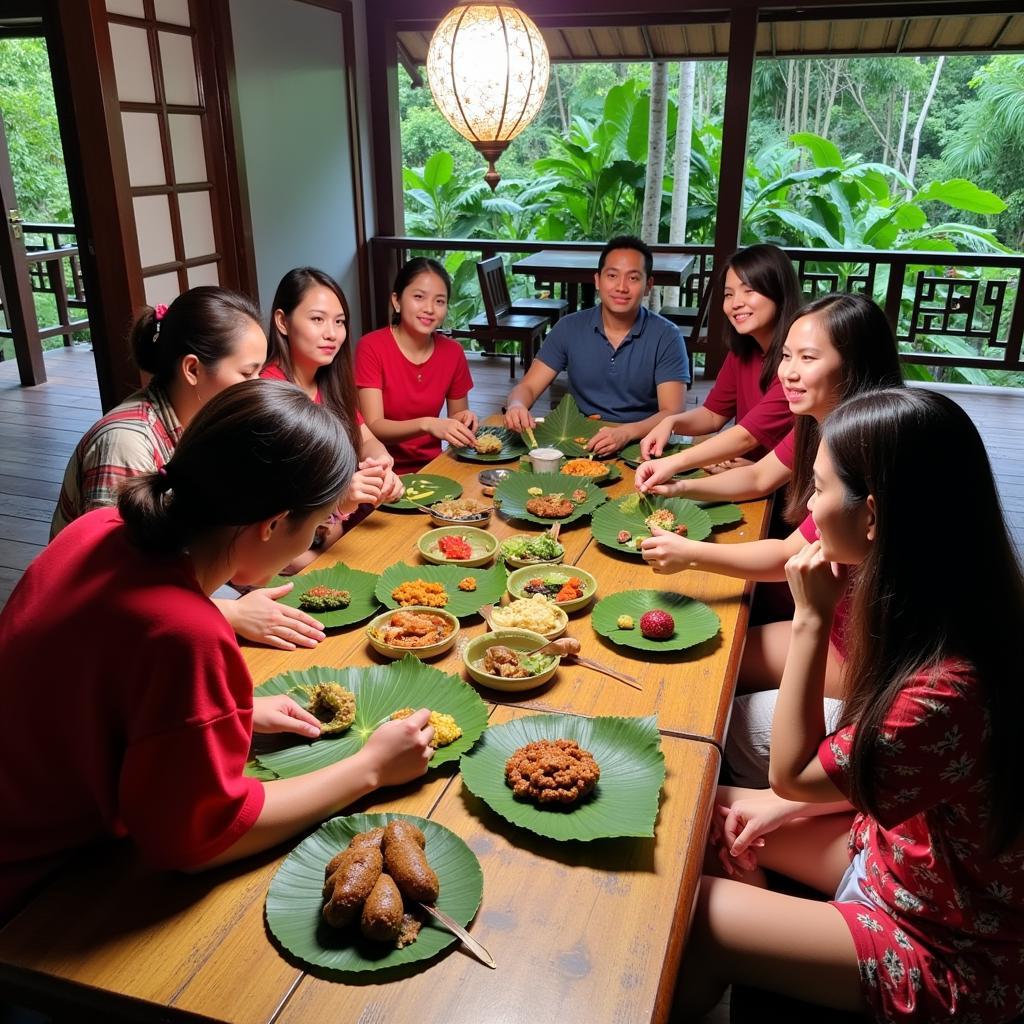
(808, 529)
(462, 379)
(929, 748)
(785, 450)
(273, 372)
(182, 795)
(359, 418)
(721, 398)
(771, 419)
(369, 366)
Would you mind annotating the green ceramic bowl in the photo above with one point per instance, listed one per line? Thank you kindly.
(420, 652)
(518, 580)
(519, 640)
(483, 544)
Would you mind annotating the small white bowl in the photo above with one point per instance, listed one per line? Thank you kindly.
(546, 460)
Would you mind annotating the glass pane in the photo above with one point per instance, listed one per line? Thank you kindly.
(132, 8)
(142, 144)
(196, 224)
(207, 273)
(179, 69)
(162, 288)
(132, 68)
(174, 11)
(153, 228)
(187, 148)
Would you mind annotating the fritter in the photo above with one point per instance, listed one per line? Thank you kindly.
(550, 506)
(332, 704)
(322, 598)
(552, 772)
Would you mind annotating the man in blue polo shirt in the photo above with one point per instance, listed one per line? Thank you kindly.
(625, 364)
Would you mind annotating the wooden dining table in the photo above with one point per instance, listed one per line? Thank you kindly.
(580, 931)
(575, 269)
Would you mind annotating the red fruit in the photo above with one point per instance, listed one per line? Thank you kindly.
(657, 625)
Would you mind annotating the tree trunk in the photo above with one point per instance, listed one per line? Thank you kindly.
(899, 163)
(806, 96)
(915, 142)
(562, 113)
(787, 124)
(655, 179)
(833, 90)
(681, 166)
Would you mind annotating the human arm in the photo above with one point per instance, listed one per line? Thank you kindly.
(692, 423)
(795, 771)
(373, 453)
(729, 444)
(458, 409)
(397, 752)
(371, 401)
(608, 440)
(763, 561)
(535, 382)
(260, 617)
(743, 483)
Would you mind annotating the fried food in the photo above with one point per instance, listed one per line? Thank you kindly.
(662, 518)
(535, 612)
(552, 772)
(332, 704)
(401, 829)
(462, 508)
(322, 598)
(430, 595)
(488, 443)
(625, 622)
(351, 883)
(467, 583)
(579, 496)
(371, 838)
(550, 506)
(508, 664)
(413, 630)
(407, 864)
(383, 911)
(624, 536)
(446, 729)
(411, 926)
(581, 440)
(589, 468)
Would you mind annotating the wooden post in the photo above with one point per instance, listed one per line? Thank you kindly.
(19, 305)
(728, 222)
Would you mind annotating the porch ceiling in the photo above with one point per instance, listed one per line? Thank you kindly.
(849, 35)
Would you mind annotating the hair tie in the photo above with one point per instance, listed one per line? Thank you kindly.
(162, 471)
(159, 312)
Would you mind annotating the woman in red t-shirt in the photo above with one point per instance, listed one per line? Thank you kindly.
(838, 346)
(408, 372)
(761, 294)
(150, 704)
(909, 817)
(307, 335)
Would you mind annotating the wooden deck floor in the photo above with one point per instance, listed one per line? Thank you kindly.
(39, 428)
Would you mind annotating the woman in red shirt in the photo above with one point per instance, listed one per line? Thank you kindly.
(307, 335)
(149, 704)
(408, 372)
(909, 817)
(761, 294)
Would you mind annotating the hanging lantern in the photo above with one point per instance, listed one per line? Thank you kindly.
(488, 69)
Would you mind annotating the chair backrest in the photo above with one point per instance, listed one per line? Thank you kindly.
(702, 314)
(494, 288)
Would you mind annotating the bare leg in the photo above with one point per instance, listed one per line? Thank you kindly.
(785, 944)
(764, 658)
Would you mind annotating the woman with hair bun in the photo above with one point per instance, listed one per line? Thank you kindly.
(206, 340)
(148, 731)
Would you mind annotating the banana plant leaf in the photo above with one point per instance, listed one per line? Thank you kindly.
(425, 490)
(631, 455)
(490, 585)
(513, 493)
(379, 690)
(630, 513)
(359, 584)
(722, 515)
(512, 446)
(563, 426)
(695, 621)
(613, 476)
(625, 802)
(295, 900)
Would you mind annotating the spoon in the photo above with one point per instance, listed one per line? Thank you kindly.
(568, 648)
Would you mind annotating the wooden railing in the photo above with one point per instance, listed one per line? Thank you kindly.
(963, 310)
(47, 247)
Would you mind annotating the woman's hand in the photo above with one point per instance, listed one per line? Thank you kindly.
(655, 477)
(722, 467)
(817, 584)
(399, 751)
(740, 827)
(653, 442)
(518, 418)
(468, 418)
(281, 714)
(258, 617)
(365, 488)
(667, 552)
(451, 430)
(609, 440)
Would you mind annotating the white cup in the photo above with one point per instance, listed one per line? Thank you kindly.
(545, 460)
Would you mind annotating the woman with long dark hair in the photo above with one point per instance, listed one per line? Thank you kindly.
(910, 815)
(760, 296)
(149, 704)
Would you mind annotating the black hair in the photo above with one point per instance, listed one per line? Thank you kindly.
(628, 242)
(412, 270)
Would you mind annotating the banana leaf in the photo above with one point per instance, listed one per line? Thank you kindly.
(562, 426)
(359, 584)
(512, 446)
(695, 621)
(512, 494)
(490, 585)
(608, 521)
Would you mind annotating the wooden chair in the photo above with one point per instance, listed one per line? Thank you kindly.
(690, 321)
(491, 273)
(500, 323)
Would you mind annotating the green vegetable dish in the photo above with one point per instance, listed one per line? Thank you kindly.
(541, 547)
